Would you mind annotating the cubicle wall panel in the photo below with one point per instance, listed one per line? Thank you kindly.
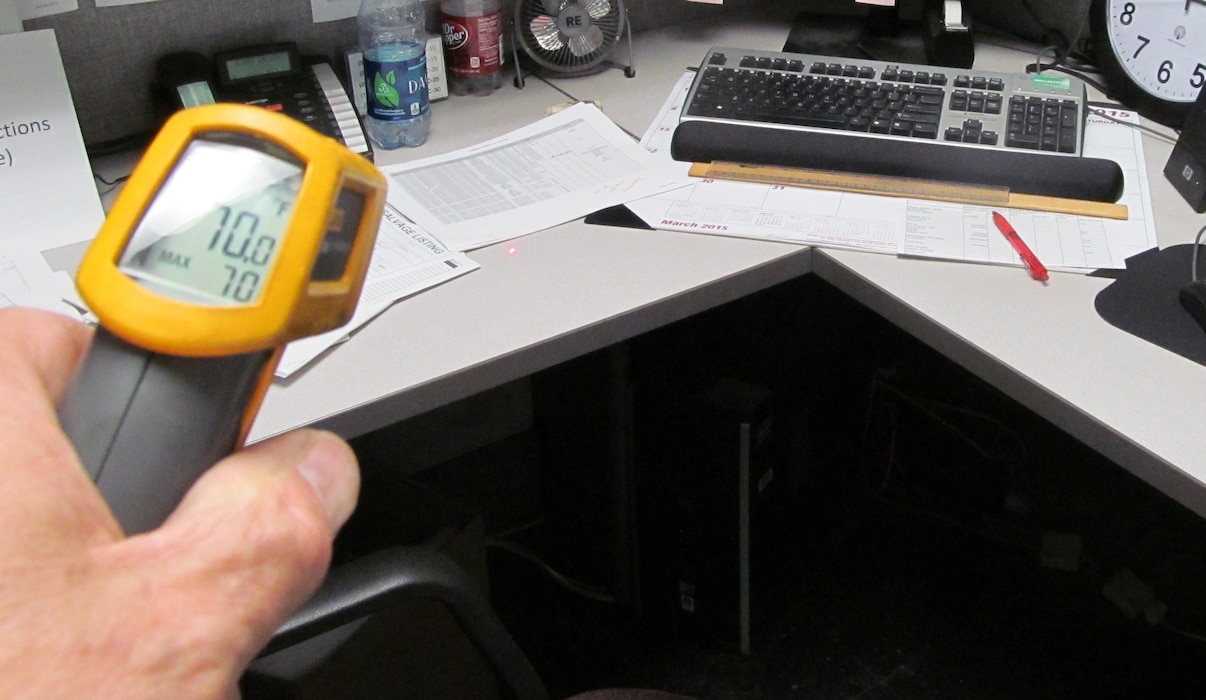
(109, 53)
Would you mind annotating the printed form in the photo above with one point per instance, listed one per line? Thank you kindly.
(406, 260)
(907, 226)
(555, 170)
(26, 280)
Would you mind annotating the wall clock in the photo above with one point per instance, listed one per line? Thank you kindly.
(1152, 54)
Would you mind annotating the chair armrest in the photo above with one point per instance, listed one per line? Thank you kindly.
(361, 587)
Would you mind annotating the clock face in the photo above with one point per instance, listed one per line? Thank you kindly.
(1160, 45)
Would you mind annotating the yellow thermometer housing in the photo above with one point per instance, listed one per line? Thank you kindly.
(240, 229)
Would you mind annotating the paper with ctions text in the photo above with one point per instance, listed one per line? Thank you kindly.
(47, 195)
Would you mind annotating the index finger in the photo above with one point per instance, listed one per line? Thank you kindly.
(49, 344)
(48, 500)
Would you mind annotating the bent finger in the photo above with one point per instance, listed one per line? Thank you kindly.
(50, 344)
(251, 540)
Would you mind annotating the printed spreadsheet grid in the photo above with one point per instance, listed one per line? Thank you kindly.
(514, 175)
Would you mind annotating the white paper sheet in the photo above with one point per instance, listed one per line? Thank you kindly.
(406, 260)
(331, 10)
(26, 280)
(32, 9)
(906, 226)
(1060, 241)
(555, 170)
(47, 194)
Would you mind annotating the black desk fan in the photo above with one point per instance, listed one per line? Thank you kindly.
(571, 37)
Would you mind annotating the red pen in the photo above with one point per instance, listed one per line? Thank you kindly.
(1037, 270)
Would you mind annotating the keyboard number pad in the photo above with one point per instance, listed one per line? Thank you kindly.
(1038, 123)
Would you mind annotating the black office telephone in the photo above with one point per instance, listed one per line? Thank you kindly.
(273, 76)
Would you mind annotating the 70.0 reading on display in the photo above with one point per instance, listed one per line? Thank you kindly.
(223, 257)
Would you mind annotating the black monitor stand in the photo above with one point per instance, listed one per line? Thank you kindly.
(882, 34)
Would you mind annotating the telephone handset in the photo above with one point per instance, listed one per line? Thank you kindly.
(184, 79)
(273, 76)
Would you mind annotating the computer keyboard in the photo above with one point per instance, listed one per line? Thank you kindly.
(1015, 130)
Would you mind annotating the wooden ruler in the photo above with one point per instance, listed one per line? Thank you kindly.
(906, 187)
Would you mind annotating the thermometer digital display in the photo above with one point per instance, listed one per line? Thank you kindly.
(219, 250)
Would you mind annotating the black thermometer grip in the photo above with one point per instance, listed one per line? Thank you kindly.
(147, 425)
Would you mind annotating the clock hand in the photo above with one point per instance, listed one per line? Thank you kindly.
(1191, 2)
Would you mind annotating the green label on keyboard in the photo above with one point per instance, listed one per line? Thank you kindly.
(1044, 81)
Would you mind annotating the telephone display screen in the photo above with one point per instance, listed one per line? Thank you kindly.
(212, 233)
(273, 63)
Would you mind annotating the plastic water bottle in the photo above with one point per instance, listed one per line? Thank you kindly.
(393, 41)
(472, 34)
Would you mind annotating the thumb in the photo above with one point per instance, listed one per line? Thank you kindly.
(259, 525)
(323, 461)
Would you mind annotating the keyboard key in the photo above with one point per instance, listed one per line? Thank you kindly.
(929, 112)
(1067, 140)
(1015, 140)
(821, 120)
(925, 131)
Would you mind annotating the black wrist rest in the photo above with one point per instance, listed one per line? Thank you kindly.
(1022, 172)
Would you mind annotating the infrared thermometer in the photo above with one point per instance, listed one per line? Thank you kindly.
(240, 230)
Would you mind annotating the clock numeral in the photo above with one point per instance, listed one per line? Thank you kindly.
(1165, 71)
(1144, 41)
(1128, 13)
(1199, 76)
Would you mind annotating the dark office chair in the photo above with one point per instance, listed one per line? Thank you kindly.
(356, 590)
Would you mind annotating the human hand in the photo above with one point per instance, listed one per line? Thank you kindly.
(176, 612)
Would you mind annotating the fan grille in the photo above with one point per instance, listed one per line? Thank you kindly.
(568, 36)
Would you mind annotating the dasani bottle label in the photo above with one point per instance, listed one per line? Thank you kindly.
(399, 88)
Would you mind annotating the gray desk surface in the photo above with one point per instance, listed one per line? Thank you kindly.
(556, 294)
(536, 301)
